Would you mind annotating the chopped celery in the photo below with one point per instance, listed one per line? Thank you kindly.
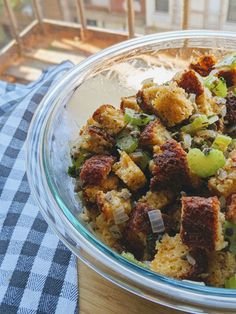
(213, 119)
(127, 143)
(221, 142)
(228, 61)
(136, 118)
(130, 257)
(216, 85)
(230, 235)
(141, 158)
(205, 164)
(231, 282)
(197, 124)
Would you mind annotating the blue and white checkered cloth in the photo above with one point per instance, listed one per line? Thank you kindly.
(37, 272)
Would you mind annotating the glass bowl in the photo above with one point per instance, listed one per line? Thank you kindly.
(104, 78)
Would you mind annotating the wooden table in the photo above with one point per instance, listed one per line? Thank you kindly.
(99, 296)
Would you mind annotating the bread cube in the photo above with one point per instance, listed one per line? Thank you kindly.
(129, 172)
(129, 102)
(159, 199)
(110, 118)
(201, 223)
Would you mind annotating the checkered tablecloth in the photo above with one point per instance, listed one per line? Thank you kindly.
(37, 272)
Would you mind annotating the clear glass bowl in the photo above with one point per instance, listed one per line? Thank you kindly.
(104, 78)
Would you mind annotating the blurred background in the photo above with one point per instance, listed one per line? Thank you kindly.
(93, 19)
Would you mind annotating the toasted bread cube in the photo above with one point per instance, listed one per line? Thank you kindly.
(229, 75)
(172, 105)
(112, 201)
(191, 83)
(110, 118)
(96, 140)
(225, 185)
(201, 223)
(154, 134)
(129, 172)
(231, 209)
(129, 102)
(170, 167)
(107, 184)
(169, 259)
(104, 230)
(222, 265)
(146, 96)
(159, 199)
(204, 64)
(96, 169)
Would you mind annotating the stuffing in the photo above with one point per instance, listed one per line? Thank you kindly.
(112, 202)
(224, 182)
(129, 172)
(96, 169)
(110, 118)
(204, 64)
(191, 83)
(146, 96)
(159, 199)
(106, 184)
(105, 231)
(231, 209)
(173, 259)
(138, 235)
(96, 140)
(172, 105)
(170, 167)
(129, 102)
(154, 134)
(230, 117)
(222, 265)
(229, 75)
(201, 223)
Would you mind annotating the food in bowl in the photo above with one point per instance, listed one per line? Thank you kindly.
(158, 175)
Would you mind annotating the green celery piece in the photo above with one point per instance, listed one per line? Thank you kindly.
(228, 61)
(128, 144)
(205, 164)
(231, 282)
(141, 158)
(209, 81)
(222, 142)
(197, 124)
(230, 235)
(135, 118)
(220, 88)
(130, 257)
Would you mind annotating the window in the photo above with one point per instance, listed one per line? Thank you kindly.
(162, 6)
(231, 11)
(91, 22)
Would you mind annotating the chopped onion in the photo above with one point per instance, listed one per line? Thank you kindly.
(187, 140)
(222, 174)
(115, 231)
(190, 259)
(219, 100)
(192, 97)
(213, 119)
(223, 111)
(156, 221)
(120, 215)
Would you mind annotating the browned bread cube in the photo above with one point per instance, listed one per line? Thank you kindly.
(158, 199)
(129, 102)
(170, 167)
(201, 223)
(146, 96)
(96, 169)
(191, 83)
(110, 118)
(154, 134)
(231, 209)
(204, 64)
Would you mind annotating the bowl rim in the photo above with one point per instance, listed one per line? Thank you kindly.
(86, 239)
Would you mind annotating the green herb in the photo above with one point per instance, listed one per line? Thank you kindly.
(72, 171)
(230, 235)
(130, 257)
(231, 282)
(135, 118)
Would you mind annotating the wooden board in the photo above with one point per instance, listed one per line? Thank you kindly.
(98, 296)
